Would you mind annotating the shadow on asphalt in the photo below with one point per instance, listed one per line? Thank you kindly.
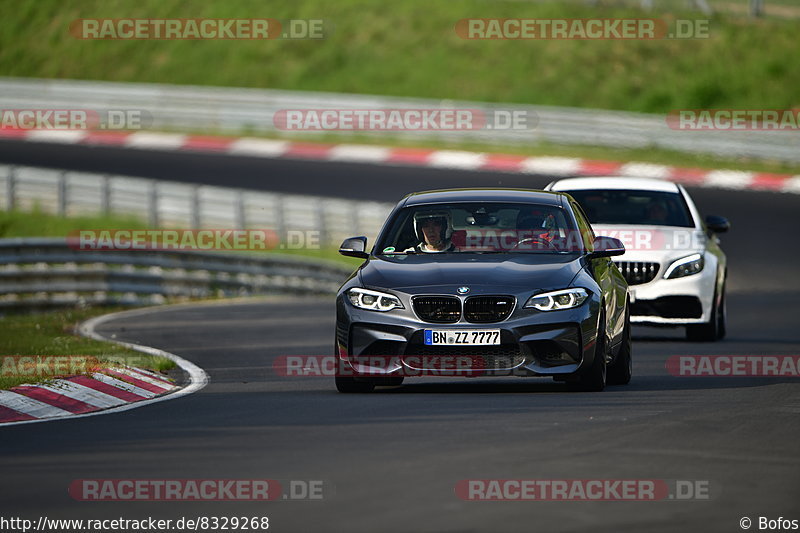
(728, 340)
(541, 386)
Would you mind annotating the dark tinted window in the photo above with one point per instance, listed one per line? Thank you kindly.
(654, 208)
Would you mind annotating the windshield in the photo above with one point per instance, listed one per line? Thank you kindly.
(654, 208)
(478, 228)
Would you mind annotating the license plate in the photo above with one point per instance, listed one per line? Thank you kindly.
(462, 337)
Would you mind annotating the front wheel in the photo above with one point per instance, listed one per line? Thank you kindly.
(345, 382)
(389, 382)
(722, 318)
(594, 378)
(714, 329)
(621, 370)
(351, 385)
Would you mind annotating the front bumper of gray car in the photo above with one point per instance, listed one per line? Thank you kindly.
(532, 343)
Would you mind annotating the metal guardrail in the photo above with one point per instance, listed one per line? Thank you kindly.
(236, 111)
(168, 204)
(45, 272)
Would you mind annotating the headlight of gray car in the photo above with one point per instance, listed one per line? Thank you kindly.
(557, 300)
(373, 300)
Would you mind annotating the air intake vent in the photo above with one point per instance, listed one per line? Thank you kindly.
(638, 272)
(439, 309)
(484, 309)
(503, 356)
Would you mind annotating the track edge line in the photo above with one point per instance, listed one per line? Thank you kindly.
(198, 378)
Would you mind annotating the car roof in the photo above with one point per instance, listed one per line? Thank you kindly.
(484, 195)
(613, 182)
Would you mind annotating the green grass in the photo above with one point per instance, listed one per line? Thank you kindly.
(52, 334)
(410, 48)
(40, 224)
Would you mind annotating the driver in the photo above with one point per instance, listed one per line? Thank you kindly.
(433, 229)
(536, 229)
(657, 213)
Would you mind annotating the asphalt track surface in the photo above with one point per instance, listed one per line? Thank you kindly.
(390, 461)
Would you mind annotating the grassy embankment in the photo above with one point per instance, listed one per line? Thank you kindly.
(411, 49)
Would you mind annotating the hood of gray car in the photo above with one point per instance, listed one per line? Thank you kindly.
(481, 273)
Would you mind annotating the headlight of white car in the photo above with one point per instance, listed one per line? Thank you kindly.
(557, 300)
(686, 266)
(373, 300)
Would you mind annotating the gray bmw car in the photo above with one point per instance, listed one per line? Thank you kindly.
(484, 282)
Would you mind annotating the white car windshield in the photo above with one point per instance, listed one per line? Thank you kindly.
(637, 207)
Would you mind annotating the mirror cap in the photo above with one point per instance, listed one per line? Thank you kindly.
(607, 247)
(717, 224)
(354, 247)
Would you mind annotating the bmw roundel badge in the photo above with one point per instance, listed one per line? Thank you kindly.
(463, 290)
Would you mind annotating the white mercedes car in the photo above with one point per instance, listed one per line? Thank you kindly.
(674, 266)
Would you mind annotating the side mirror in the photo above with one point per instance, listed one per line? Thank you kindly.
(354, 247)
(607, 247)
(716, 224)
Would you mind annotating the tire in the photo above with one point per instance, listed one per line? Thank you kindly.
(714, 329)
(722, 317)
(390, 382)
(594, 378)
(621, 370)
(350, 385)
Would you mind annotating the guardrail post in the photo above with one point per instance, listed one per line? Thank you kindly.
(105, 195)
(11, 188)
(703, 6)
(323, 230)
(153, 205)
(197, 219)
(62, 194)
(241, 216)
(280, 221)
